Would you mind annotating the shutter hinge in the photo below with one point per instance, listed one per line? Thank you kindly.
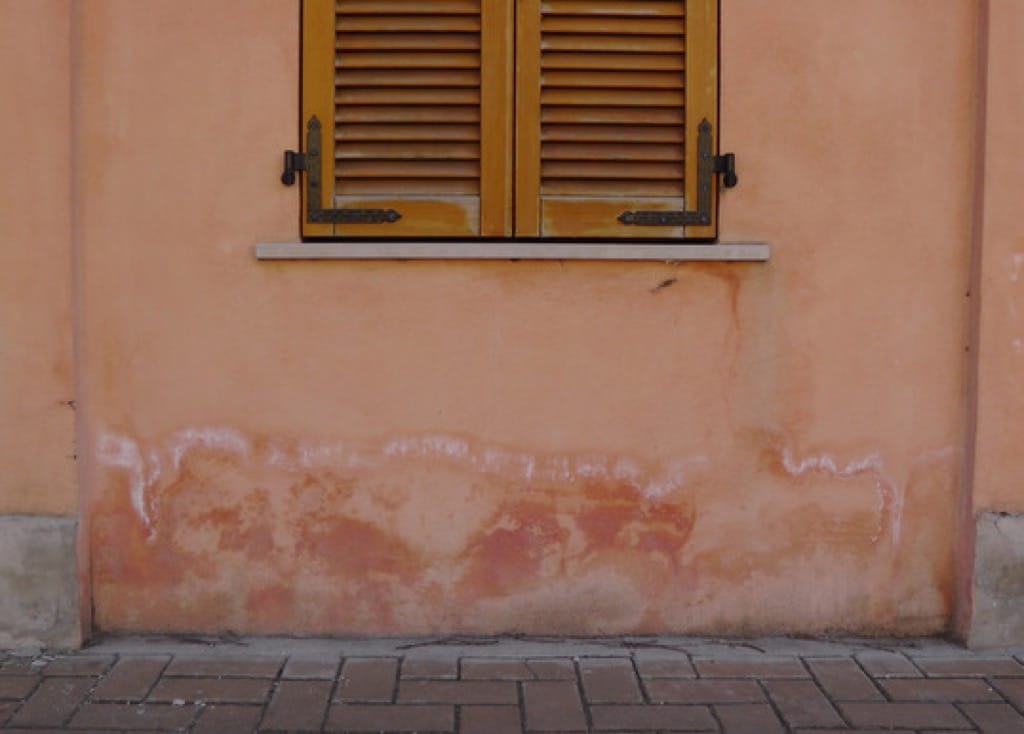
(708, 164)
(310, 163)
(726, 164)
(292, 162)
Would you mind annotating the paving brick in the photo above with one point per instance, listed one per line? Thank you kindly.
(6, 709)
(356, 717)
(609, 680)
(552, 669)
(133, 716)
(968, 667)
(1012, 689)
(17, 686)
(682, 690)
(21, 665)
(216, 690)
(904, 715)
(880, 664)
(843, 680)
(751, 668)
(60, 731)
(437, 668)
(489, 720)
(53, 701)
(652, 718)
(748, 718)
(475, 669)
(130, 680)
(994, 718)
(227, 667)
(553, 705)
(298, 704)
(862, 731)
(71, 665)
(939, 689)
(298, 668)
(457, 691)
(225, 717)
(368, 680)
(801, 703)
(651, 666)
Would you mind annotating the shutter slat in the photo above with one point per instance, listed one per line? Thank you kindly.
(618, 44)
(614, 79)
(608, 97)
(379, 23)
(399, 169)
(407, 7)
(614, 133)
(600, 25)
(625, 170)
(618, 152)
(637, 61)
(407, 150)
(408, 78)
(421, 60)
(649, 8)
(409, 114)
(394, 131)
(408, 41)
(611, 115)
(403, 96)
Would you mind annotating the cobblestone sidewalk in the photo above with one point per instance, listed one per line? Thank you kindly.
(502, 685)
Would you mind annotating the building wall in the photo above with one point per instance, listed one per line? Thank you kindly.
(38, 489)
(557, 447)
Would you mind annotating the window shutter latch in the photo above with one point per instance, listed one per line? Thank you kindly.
(310, 163)
(708, 165)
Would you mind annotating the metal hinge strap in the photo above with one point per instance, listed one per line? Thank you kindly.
(708, 164)
(310, 163)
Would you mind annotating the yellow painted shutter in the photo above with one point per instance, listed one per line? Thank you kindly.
(610, 96)
(400, 89)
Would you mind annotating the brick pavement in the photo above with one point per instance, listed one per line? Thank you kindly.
(495, 686)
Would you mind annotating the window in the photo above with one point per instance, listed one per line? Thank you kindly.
(510, 118)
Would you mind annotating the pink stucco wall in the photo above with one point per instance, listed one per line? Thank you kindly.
(999, 483)
(563, 447)
(37, 447)
(521, 446)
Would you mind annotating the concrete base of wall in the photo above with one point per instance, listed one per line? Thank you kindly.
(997, 618)
(38, 582)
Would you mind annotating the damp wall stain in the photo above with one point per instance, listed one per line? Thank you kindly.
(214, 529)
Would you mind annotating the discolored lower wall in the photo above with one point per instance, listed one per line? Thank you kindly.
(216, 529)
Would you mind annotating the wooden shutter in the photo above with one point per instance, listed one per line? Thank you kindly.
(610, 94)
(414, 103)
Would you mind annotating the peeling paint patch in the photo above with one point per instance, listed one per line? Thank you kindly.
(123, 453)
(1017, 267)
(871, 465)
(221, 439)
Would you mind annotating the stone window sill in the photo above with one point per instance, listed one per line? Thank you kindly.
(484, 250)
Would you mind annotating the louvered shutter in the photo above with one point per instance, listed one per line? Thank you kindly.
(401, 93)
(610, 95)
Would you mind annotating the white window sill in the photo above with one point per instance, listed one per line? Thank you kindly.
(483, 250)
